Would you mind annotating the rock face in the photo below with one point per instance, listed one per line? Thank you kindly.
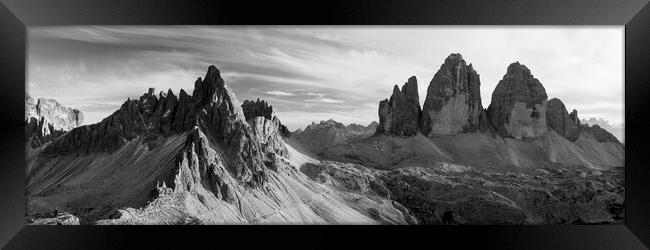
(453, 101)
(61, 118)
(559, 119)
(400, 115)
(257, 108)
(46, 120)
(518, 106)
(261, 108)
(267, 133)
(40, 131)
(574, 117)
(30, 107)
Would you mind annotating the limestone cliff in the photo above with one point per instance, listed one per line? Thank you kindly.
(518, 105)
(453, 101)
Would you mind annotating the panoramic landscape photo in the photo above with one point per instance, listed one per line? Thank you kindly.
(412, 125)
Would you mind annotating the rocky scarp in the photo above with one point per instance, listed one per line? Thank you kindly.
(400, 115)
(518, 105)
(261, 108)
(453, 101)
(212, 107)
(559, 119)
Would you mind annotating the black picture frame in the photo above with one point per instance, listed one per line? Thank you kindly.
(16, 15)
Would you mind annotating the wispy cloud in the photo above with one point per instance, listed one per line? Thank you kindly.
(325, 100)
(279, 93)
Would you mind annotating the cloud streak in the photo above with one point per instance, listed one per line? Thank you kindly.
(325, 100)
(279, 93)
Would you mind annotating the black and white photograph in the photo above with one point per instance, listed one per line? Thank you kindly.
(312, 125)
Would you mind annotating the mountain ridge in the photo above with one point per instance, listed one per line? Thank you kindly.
(189, 159)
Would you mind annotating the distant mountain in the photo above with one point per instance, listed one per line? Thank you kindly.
(616, 130)
(318, 136)
(61, 117)
(46, 119)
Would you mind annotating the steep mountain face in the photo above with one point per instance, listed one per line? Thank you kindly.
(400, 115)
(40, 131)
(558, 119)
(318, 136)
(453, 101)
(163, 159)
(46, 119)
(259, 107)
(518, 105)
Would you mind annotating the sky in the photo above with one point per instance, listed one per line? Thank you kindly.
(314, 73)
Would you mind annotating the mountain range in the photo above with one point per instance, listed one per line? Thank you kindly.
(204, 159)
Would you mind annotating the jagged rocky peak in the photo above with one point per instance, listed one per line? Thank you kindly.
(400, 115)
(559, 119)
(206, 90)
(257, 108)
(318, 136)
(453, 101)
(211, 106)
(212, 112)
(331, 123)
(518, 107)
(213, 91)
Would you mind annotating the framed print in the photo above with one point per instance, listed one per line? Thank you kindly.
(334, 120)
